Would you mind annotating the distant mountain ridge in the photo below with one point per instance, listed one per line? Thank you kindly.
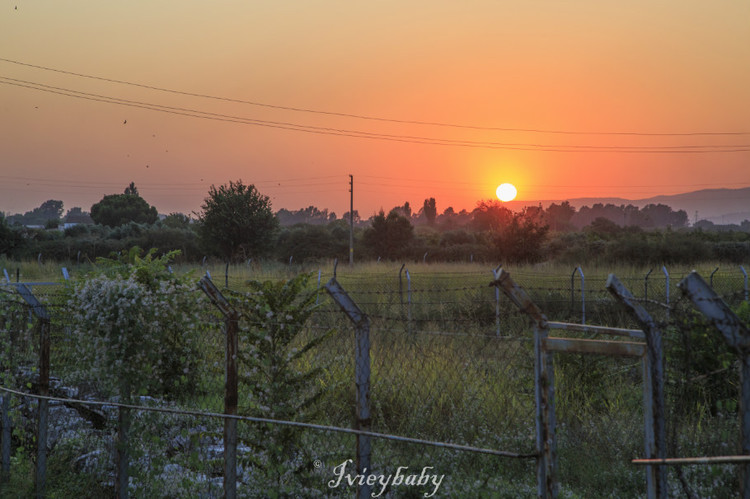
(720, 206)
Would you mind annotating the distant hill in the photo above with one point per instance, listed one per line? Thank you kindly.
(720, 206)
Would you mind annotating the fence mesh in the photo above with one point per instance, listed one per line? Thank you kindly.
(451, 361)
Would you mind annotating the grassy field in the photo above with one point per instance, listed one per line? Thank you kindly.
(449, 363)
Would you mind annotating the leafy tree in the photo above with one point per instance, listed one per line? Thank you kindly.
(10, 239)
(309, 215)
(77, 215)
(118, 209)
(521, 241)
(49, 210)
(176, 221)
(307, 242)
(404, 211)
(491, 215)
(131, 190)
(389, 237)
(559, 215)
(357, 218)
(604, 227)
(237, 220)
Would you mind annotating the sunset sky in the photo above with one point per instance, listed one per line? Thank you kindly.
(415, 99)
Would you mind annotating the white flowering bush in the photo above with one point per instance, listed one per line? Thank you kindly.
(136, 326)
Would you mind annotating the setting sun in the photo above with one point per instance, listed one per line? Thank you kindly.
(506, 192)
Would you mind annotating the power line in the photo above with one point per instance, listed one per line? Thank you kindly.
(373, 118)
(525, 184)
(684, 149)
(88, 183)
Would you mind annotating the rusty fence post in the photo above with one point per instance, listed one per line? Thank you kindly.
(44, 339)
(656, 475)
(737, 336)
(361, 375)
(544, 387)
(231, 317)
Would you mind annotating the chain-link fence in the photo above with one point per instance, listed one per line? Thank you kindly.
(452, 376)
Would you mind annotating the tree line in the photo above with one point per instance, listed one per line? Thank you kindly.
(236, 223)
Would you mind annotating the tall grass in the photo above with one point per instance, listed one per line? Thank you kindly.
(441, 371)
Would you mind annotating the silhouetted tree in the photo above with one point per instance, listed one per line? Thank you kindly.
(76, 215)
(389, 236)
(119, 209)
(521, 240)
(491, 215)
(429, 210)
(131, 190)
(404, 211)
(177, 221)
(559, 215)
(237, 220)
(50, 210)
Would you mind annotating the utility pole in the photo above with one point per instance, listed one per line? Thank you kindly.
(351, 219)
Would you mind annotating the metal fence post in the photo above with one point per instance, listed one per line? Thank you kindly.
(408, 300)
(572, 293)
(5, 472)
(645, 284)
(41, 459)
(496, 275)
(666, 287)
(44, 339)
(401, 284)
(656, 475)
(737, 336)
(544, 393)
(362, 378)
(231, 317)
(746, 289)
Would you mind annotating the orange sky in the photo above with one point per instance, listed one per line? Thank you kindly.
(647, 67)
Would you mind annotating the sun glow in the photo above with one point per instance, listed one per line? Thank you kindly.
(506, 192)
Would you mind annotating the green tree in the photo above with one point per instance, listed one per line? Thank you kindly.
(389, 237)
(10, 239)
(118, 209)
(176, 221)
(282, 373)
(237, 221)
(521, 241)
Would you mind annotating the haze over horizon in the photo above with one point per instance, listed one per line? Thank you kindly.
(416, 100)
